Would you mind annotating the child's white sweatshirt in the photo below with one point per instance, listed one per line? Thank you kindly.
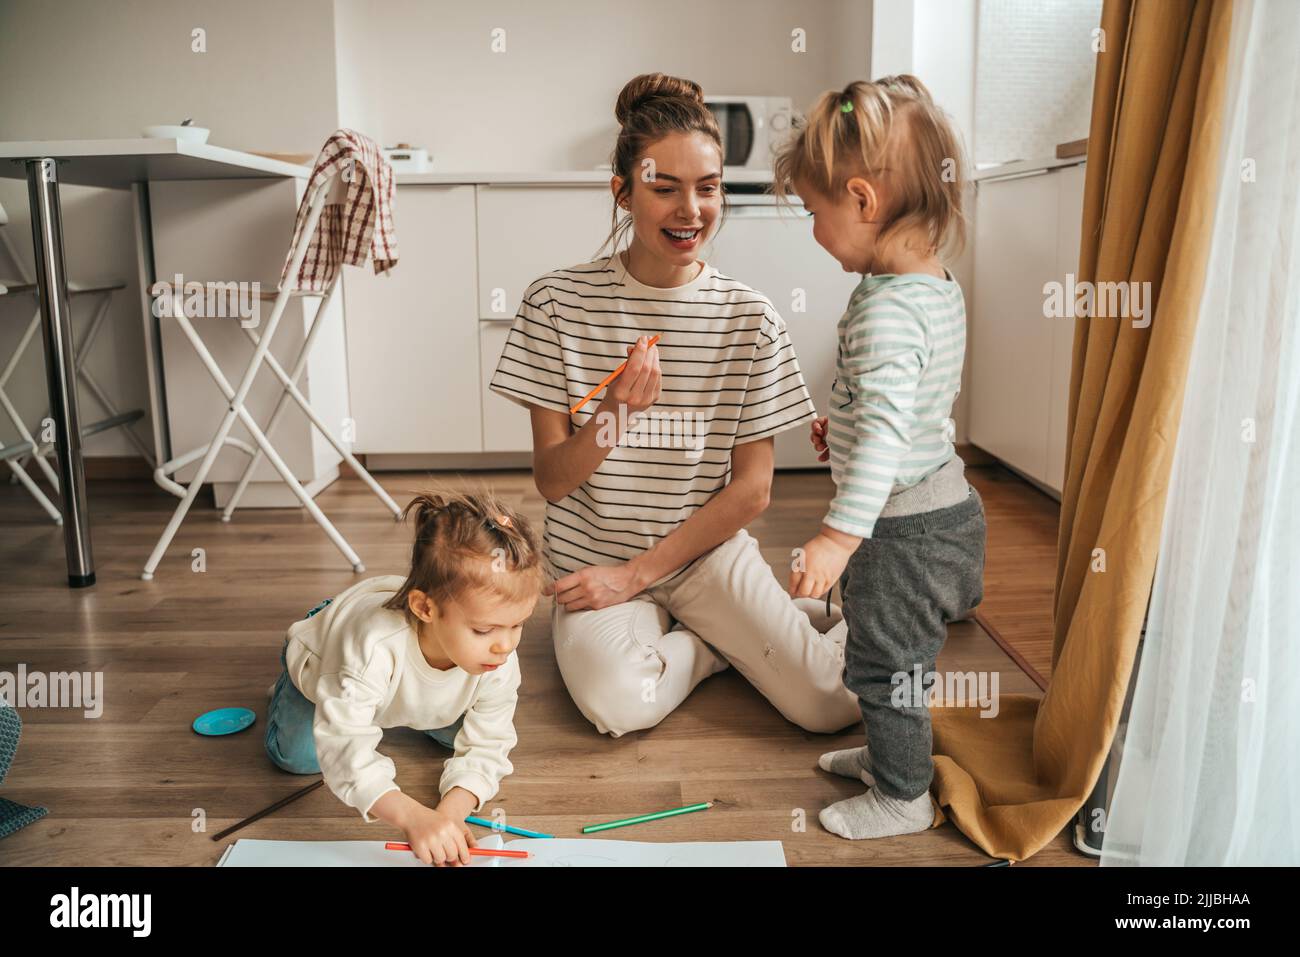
(361, 665)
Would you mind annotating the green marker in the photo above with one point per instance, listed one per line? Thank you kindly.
(646, 817)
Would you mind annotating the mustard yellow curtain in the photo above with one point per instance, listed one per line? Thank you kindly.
(1012, 783)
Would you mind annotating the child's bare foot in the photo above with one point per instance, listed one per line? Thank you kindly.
(849, 763)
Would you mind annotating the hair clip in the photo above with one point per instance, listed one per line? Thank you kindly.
(846, 106)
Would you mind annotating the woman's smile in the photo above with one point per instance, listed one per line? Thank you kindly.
(683, 238)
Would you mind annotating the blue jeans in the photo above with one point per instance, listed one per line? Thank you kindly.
(289, 741)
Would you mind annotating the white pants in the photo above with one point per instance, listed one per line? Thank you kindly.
(629, 665)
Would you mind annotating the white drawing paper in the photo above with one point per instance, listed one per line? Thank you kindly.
(544, 852)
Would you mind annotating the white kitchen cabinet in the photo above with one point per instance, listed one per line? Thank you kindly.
(1026, 235)
(424, 343)
(525, 232)
(507, 426)
(774, 252)
(1010, 342)
(413, 333)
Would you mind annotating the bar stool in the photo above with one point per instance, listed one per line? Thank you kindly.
(330, 191)
(100, 296)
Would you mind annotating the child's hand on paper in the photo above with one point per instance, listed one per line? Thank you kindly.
(821, 563)
(638, 386)
(818, 438)
(438, 836)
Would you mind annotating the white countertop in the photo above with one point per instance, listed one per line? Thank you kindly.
(116, 164)
(600, 177)
(1025, 167)
(579, 177)
(120, 162)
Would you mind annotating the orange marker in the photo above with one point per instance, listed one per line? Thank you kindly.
(474, 851)
(607, 380)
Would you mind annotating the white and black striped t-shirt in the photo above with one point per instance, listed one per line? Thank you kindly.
(729, 376)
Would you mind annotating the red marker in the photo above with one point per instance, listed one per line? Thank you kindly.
(474, 851)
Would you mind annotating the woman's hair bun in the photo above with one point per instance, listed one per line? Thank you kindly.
(653, 86)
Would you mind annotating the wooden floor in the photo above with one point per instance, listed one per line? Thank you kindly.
(1020, 565)
(129, 787)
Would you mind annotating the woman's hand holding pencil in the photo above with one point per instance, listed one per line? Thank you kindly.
(635, 383)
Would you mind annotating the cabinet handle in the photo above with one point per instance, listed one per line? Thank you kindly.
(538, 184)
(768, 211)
(1010, 176)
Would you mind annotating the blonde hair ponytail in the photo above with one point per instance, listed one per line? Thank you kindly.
(467, 541)
(890, 127)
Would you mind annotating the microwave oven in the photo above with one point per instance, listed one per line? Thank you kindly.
(751, 128)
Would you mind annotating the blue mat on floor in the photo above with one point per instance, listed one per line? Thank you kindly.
(12, 816)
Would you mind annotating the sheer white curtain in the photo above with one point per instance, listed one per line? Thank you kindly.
(1210, 772)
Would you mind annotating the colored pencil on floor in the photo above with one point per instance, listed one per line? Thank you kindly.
(265, 811)
(591, 828)
(508, 828)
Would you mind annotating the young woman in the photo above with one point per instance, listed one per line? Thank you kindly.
(650, 485)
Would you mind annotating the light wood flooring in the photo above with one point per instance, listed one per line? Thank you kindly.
(126, 788)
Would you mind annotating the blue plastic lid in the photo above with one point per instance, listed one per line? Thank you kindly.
(224, 721)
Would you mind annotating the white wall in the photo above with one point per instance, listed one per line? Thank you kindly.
(90, 69)
(943, 56)
(279, 76)
(1034, 78)
(935, 40)
(84, 69)
(426, 74)
(893, 23)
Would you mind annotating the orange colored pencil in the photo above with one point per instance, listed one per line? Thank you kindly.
(474, 851)
(607, 380)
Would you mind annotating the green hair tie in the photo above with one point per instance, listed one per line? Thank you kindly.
(846, 106)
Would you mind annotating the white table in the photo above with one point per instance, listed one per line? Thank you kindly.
(111, 164)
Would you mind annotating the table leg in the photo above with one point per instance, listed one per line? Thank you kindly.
(60, 373)
(162, 446)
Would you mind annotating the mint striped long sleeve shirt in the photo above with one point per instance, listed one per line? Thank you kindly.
(902, 342)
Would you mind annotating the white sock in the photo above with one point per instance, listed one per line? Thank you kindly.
(875, 815)
(849, 763)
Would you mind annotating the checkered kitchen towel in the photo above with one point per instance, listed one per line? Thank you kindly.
(361, 228)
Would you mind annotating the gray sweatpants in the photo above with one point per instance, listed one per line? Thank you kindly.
(901, 588)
